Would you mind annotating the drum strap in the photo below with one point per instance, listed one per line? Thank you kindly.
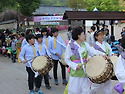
(55, 43)
(40, 47)
(46, 42)
(34, 51)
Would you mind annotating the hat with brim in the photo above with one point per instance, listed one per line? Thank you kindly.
(98, 32)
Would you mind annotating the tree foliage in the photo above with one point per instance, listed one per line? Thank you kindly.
(12, 4)
(26, 7)
(122, 4)
(103, 5)
(77, 4)
(55, 2)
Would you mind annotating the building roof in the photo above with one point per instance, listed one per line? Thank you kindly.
(90, 15)
(53, 9)
(8, 21)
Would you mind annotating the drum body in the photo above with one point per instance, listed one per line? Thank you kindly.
(99, 70)
(114, 60)
(42, 65)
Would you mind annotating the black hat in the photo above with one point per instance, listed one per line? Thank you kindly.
(97, 32)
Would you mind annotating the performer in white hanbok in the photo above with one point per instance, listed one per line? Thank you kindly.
(76, 56)
(120, 68)
(104, 47)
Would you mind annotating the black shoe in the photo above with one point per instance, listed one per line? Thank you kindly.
(48, 86)
(64, 82)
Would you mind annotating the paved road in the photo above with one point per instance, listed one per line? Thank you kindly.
(13, 77)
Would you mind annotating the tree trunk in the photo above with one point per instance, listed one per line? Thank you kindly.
(28, 21)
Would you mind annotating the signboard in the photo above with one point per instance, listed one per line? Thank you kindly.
(49, 23)
(47, 18)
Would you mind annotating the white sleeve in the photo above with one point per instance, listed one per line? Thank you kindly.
(120, 70)
(68, 54)
(92, 38)
(24, 42)
(22, 53)
(92, 51)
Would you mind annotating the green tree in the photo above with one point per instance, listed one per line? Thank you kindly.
(55, 2)
(122, 4)
(103, 5)
(77, 4)
(27, 7)
(8, 4)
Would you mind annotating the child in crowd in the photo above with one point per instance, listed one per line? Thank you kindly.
(13, 49)
(24, 42)
(69, 35)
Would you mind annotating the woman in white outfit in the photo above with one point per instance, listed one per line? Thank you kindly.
(76, 56)
(104, 47)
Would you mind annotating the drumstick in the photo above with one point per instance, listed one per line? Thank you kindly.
(30, 59)
(109, 60)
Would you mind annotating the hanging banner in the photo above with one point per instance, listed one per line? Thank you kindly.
(47, 18)
(49, 23)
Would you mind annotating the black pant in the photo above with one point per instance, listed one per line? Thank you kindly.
(13, 56)
(46, 79)
(32, 79)
(55, 69)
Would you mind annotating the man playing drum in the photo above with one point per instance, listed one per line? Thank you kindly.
(43, 49)
(104, 47)
(56, 45)
(24, 42)
(30, 52)
(76, 56)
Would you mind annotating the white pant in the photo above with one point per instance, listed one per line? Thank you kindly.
(79, 85)
(105, 87)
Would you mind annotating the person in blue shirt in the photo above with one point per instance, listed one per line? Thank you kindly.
(56, 45)
(30, 51)
(46, 37)
(43, 49)
(24, 42)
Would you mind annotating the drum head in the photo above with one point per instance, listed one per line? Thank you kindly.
(95, 66)
(39, 63)
(114, 60)
(63, 60)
